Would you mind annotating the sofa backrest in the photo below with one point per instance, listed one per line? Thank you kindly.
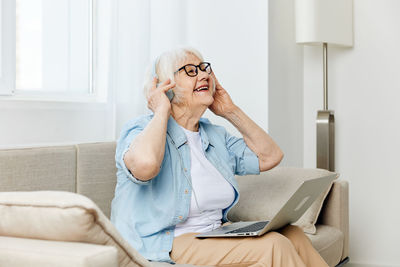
(87, 169)
(96, 173)
(48, 168)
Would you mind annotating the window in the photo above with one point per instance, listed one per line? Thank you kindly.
(53, 45)
(47, 47)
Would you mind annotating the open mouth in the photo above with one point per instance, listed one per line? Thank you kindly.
(203, 88)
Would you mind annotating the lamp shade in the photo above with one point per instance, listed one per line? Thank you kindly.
(324, 21)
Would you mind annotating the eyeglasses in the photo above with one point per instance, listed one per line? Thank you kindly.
(192, 70)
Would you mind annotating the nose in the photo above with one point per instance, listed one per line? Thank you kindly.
(202, 75)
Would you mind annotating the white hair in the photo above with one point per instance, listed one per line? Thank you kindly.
(165, 66)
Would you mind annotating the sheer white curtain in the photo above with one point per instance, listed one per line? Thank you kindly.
(143, 29)
(232, 34)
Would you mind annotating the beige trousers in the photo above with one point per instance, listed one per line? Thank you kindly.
(289, 247)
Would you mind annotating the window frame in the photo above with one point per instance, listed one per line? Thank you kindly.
(7, 48)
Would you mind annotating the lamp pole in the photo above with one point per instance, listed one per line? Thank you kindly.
(325, 71)
(325, 125)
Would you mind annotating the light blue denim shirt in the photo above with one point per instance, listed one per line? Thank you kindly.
(145, 213)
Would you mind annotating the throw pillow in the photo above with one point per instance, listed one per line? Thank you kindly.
(261, 196)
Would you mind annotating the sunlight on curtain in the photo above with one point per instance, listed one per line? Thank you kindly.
(141, 37)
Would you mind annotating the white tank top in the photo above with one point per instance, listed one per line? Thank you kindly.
(213, 192)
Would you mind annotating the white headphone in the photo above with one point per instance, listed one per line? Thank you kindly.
(170, 94)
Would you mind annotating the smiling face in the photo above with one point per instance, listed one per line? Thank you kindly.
(195, 92)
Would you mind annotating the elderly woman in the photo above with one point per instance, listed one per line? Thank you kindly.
(176, 173)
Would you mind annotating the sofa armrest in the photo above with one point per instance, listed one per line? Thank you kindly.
(62, 216)
(15, 252)
(335, 211)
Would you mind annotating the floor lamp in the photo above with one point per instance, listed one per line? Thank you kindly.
(325, 22)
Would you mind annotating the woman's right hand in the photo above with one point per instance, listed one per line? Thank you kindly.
(157, 100)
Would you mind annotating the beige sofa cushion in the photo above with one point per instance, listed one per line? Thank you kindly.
(336, 211)
(22, 252)
(45, 168)
(62, 216)
(329, 243)
(263, 195)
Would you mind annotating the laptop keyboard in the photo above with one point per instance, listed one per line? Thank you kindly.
(250, 228)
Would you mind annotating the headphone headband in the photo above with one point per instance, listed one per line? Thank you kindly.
(154, 67)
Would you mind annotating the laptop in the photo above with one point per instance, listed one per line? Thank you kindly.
(290, 212)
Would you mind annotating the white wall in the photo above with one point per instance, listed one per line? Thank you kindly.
(285, 105)
(364, 90)
(233, 36)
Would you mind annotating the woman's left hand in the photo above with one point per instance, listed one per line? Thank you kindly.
(223, 103)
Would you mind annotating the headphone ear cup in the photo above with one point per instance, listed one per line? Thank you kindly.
(170, 94)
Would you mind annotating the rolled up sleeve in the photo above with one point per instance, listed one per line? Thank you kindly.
(128, 134)
(246, 162)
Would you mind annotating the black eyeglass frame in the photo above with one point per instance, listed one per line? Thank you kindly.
(197, 68)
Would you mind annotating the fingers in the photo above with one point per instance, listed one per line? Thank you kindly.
(162, 85)
(166, 87)
(213, 74)
(215, 79)
(154, 83)
(157, 100)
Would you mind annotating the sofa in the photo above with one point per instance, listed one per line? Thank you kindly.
(55, 204)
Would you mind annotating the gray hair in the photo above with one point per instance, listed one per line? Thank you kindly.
(165, 66)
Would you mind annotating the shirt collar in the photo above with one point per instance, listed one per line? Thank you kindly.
(178, 136)
(175, 132)
(204, 137)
